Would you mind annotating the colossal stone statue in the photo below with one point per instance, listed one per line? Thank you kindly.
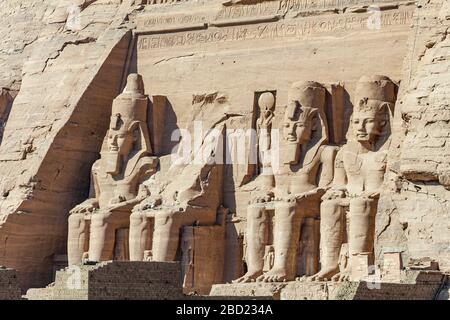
(305, 169)
(187, 194)
(359, 171)
(125, 163)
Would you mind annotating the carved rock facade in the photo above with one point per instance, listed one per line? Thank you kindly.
(253, 141)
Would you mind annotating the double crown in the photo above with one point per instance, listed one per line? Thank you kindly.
(132, 104)
(378, 89)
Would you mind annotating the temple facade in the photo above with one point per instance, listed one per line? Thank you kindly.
(258, 144)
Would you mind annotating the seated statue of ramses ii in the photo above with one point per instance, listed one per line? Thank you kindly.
(359, 173)
(304, 172)
(126, 161)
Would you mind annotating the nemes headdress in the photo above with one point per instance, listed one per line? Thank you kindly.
(305, 99)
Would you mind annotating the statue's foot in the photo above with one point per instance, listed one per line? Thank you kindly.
(274, 275)
(341, 277)
(248, 277)
(324, 275)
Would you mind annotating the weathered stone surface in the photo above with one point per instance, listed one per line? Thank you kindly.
(9, 285)
(414, 286)
(115, 281)
(68, 82)
(249, 289)
(5, 108)
(201, 271)
(444, 294)
(413, 214)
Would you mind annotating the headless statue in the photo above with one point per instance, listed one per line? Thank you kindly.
(187, 194)
(125, 163)
(359, 173)
(294, 189)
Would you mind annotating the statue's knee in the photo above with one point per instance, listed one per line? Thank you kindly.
(330, 209)
(76, 220)
(255, 212)
(360, 204)
(329, 205)
(164, 218)
(285, 207)
(136, 219)
(99, 219)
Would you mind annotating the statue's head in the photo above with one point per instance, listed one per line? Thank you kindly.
(375, 99)
(128, 131)
(266, 103)
(304, 115)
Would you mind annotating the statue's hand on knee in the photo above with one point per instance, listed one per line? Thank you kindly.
(88, 206)
(126, 205)
(334, 193)
(371, 195)
(118, 199)
(290, 198)
(263, 197)
(316, 193)
(150, 203)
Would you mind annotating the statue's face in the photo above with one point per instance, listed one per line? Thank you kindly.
(266, 103)
(298, 131)
(367, 126)
(120, 140)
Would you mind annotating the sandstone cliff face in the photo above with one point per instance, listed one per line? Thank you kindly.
(68, 74)
(414, 215)
(22, 22)
(6, 100)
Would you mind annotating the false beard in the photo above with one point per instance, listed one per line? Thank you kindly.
(113, 163)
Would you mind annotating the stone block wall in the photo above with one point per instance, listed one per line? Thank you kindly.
(118, 280)
(9, 285)
(136, 281)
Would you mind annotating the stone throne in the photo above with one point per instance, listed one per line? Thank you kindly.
(183, 219)
(99, 226)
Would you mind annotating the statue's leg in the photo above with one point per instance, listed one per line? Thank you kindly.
(139, 235)
(166, 235)
(362, 225)
(361, 231)
(286, 238)
(257, 237)
(331, 238)
(103, 233)
(77, 238)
